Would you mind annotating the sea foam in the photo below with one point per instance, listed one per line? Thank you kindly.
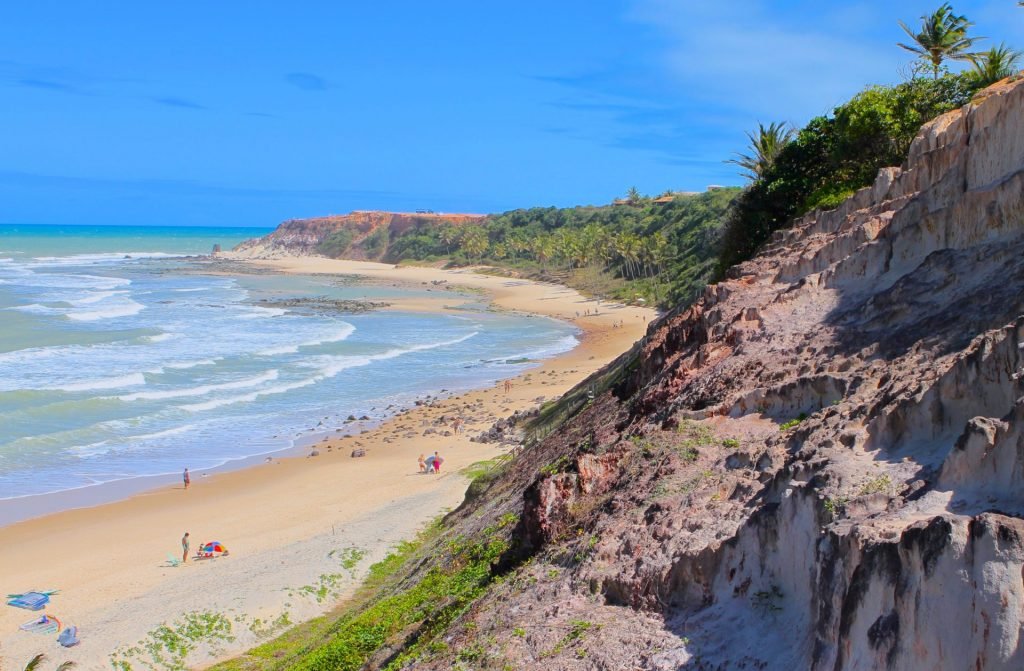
(202, 390)
(247, 398)
(338, 336)
(123, 309)
(130, 380)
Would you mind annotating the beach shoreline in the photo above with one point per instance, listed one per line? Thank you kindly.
(288, 507)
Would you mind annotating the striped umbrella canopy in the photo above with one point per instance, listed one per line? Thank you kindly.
(215, 546)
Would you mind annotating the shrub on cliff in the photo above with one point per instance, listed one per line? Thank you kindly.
(336, 244)
(376, 243)
(834, 155)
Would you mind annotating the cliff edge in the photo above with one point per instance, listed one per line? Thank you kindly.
(819, 465)
(369, 232)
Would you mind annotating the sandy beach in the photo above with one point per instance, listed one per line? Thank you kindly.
(301, 530)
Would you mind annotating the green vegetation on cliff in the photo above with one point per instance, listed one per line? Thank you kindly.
(833, 156)
(392, 621)
(659, 250)
(826, 161)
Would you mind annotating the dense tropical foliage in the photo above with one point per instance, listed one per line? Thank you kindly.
(654, 249)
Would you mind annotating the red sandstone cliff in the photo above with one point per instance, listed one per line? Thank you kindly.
(300, 237)
(688, 524)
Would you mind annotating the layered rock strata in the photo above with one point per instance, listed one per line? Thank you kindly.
(819, 465)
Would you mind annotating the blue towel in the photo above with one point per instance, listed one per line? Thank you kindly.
(29, 601)
(68, 637)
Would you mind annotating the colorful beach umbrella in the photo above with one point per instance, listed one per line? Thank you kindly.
(215, 546)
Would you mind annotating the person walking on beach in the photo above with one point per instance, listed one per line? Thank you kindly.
(422, 464)
(184, 547)
(187, 480)
(437, 463)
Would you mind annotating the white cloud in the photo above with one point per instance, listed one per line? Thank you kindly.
(770, 64)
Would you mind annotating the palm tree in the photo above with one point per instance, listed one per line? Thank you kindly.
(659, 251)
(592, 242)
(995, 64)
(564, 246)
(448, 236)
(765, 147)
(474, 242)
(628, 247)
(659, 255)
(517, 244)
(541, 248)
(633, 196)
(943, 35)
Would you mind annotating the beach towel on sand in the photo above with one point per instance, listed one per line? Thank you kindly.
(69, 637)
(47, 624)
(29, 600)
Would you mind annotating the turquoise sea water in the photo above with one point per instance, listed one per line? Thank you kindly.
(120, 358)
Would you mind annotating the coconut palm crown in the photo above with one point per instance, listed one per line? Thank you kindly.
(765, 146)
(943, 36)
(995, 64)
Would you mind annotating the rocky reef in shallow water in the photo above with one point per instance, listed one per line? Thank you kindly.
(322, 305)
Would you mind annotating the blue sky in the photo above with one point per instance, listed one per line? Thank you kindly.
(235, 113)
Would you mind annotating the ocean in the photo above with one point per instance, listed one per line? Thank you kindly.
(122, 358)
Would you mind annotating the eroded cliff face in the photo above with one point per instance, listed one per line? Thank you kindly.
(300, 237)
(683, 521)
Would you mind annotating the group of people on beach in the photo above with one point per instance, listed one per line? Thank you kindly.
(431, 464)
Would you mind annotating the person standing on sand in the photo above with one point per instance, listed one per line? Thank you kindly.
(184, 547)
(186, 479)
(437, 463)
(422, 464)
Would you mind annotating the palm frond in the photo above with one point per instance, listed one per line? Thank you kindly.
(995, 64)
(765, 146)
(942, 36)
(34, 663)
